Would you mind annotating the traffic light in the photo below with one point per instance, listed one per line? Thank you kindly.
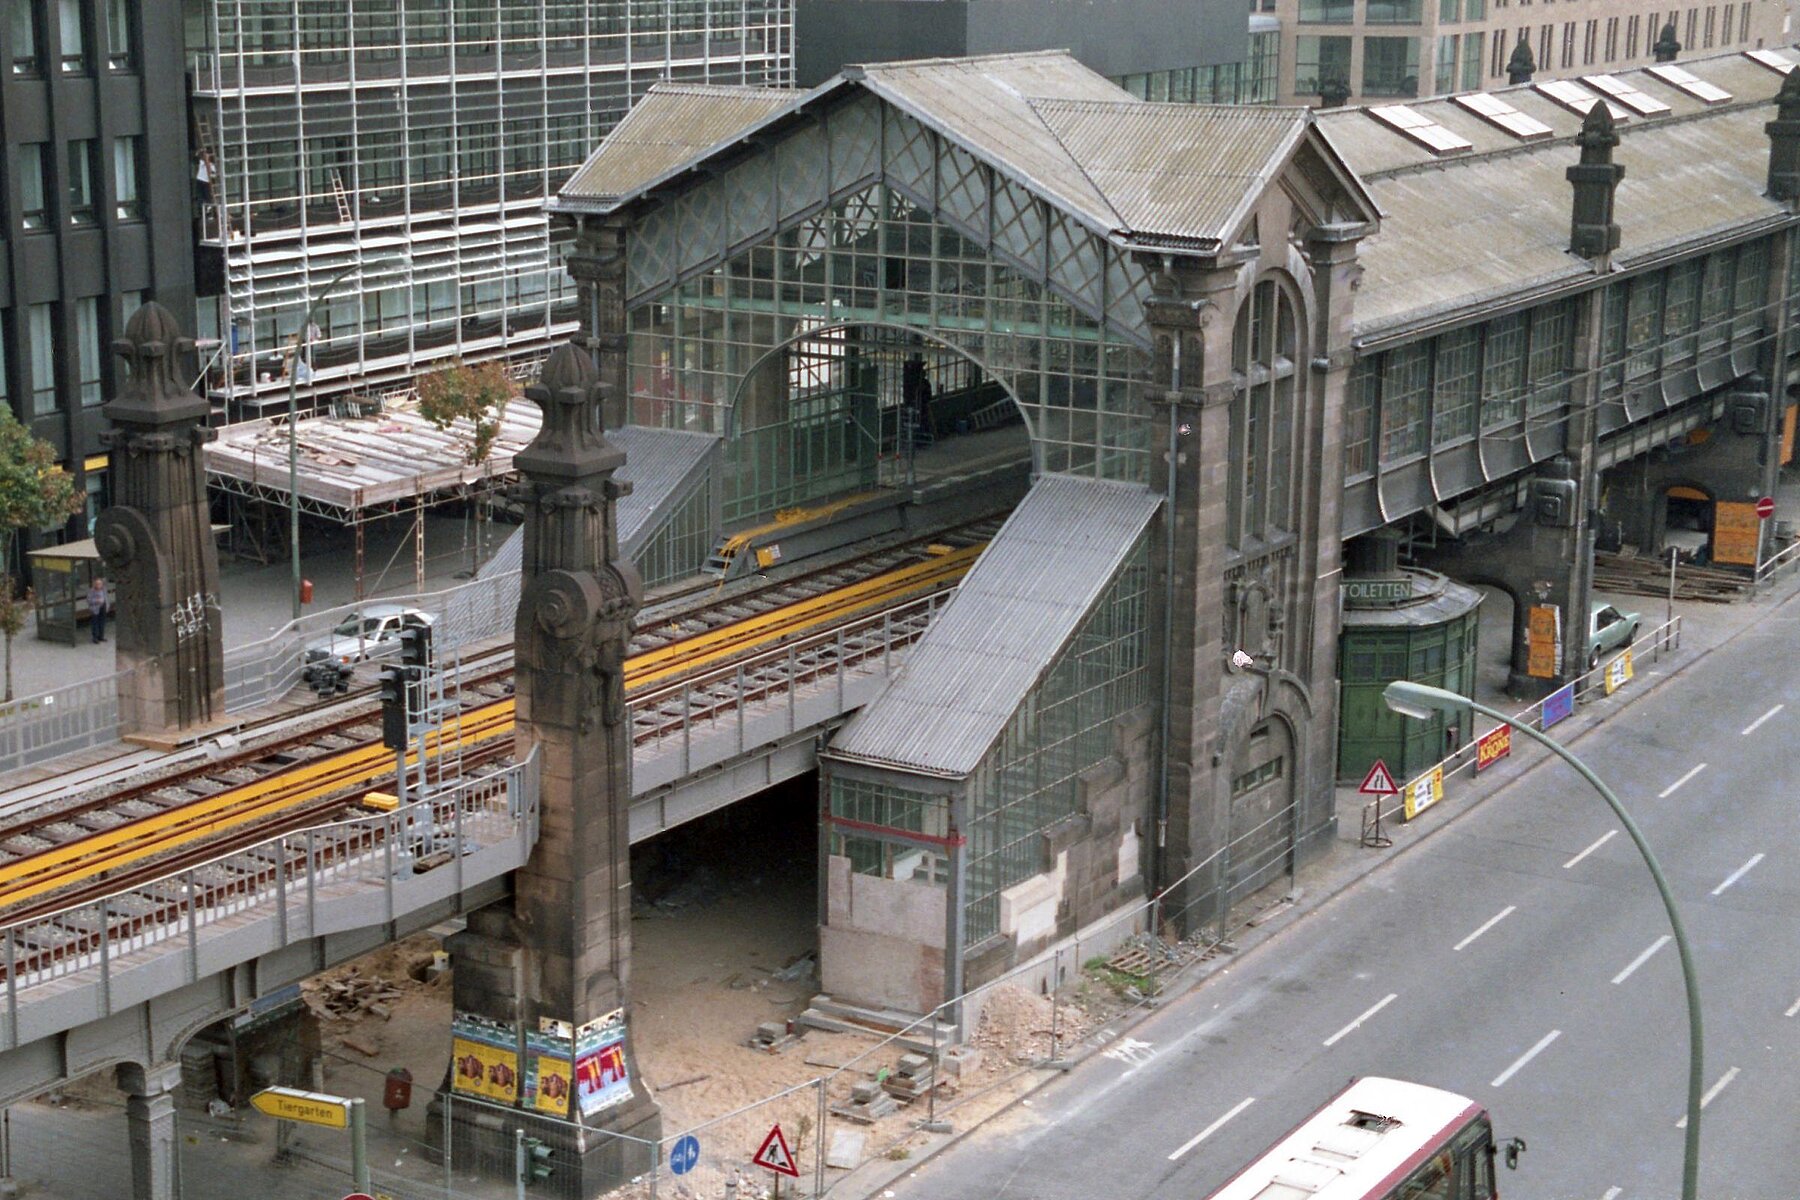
(415, 646)
(394, 686)
(538, 1161)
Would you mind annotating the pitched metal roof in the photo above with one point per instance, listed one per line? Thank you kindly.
(673, 124)
(1183, 171)
(1137, 172)
(1014, 612)
(658, 462)
(1493, 224)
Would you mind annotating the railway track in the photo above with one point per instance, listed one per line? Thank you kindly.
(104, 843)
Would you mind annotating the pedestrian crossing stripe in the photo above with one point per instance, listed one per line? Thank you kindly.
(775, 1155)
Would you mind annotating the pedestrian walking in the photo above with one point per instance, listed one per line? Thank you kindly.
(97, 600)
(203, 176)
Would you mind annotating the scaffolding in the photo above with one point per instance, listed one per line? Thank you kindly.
(356, 469)
(415, 141)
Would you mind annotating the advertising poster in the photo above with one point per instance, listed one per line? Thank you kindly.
(1736, 531)
(600, 1076)
(1543, 632)
(1424, 792)
(1618, 672)
(484, 1056)
(549, 1073)
(1558, 705)
(1492, 746)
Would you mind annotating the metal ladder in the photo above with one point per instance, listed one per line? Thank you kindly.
(203, 134)
(340, 195)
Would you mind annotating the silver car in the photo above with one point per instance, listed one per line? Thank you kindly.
(1609, 629)
(375, 630)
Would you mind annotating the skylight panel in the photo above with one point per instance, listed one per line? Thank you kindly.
(1496, 111)
(1577, 99)
(1692, 84)
(1637, 101)
(1421, 129)
(1775, 60)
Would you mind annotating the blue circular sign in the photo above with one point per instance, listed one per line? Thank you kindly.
(685, 1154)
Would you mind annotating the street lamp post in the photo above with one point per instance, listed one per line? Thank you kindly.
(294, 427)
(1422, 702)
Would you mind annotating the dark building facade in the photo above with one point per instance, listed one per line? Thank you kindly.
(97, 210)
(1113, 37)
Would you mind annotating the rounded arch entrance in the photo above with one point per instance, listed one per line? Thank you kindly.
(851, 406)
(1686, 521)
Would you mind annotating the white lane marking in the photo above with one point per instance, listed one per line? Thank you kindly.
(1752, 726)
(1526, 1057)
(1599, 842)
(1670, 790)
(1246, 1102)
(1351, 1027)
(1611, 1193)
(1131, 1052)
(1738, 874)
(1491, 922)
(1712, 1091)
(1792, 1009)
(1641, 959)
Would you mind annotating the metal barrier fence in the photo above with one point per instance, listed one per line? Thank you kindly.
(60, 721)
(1665, 638)
(1778, 564)
(288, 875)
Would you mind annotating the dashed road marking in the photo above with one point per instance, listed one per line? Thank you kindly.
(1752, 726)
(1738, 874)
(1670, 790)
(1712, 1091)
(1491, 922)
(1641, 959)
(1526, 1057)
(1352, 1026)
(1598, 842)
(1241, 1105)
(1131, 1052)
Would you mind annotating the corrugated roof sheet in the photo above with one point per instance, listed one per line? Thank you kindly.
(1014, 612)
(1183, 171)
(657, 463)
(1494, 223)
(673, 124)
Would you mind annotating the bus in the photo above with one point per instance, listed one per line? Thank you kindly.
(1380, 1139)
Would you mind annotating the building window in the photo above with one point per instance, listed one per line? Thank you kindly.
(1359, 415)
(1405, 381)
(1474, 10)
(1444, 79)
(1458, 385)
(1568, 45)
(1744, 21)
(1590, 39)
(1551, 328)
(81, 181)
(33, 190)
(1449, 11)
(1393, 12)
(41, 319)
(1472, 55)
(1327, 12)
(1712, 14)
(87, 350)
(125, 178)
(74, 37)
(119, 40)
(27, 38)
(1546, 39)
(1318, 60)
(1390, 66)
(1502, 371)
(1631, 36)
(1693, 27)
(1612, 38)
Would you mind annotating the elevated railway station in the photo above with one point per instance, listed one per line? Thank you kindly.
(1005, 449)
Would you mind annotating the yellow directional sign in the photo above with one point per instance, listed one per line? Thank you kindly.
(312, 1108)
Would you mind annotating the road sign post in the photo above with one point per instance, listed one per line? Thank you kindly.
(329, 1112)
(1765, 508)
(684, 1155)
(774, 1155)
(1379, 783)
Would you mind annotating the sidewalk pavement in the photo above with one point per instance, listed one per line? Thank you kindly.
(1705, 627)
(256, 598)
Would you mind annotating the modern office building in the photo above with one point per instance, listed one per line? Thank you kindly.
(1375, 51)
(95, 207)
(410, 144)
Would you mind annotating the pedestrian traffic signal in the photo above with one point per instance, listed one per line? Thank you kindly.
(538, 1161)
(415, 646)
(394, 686)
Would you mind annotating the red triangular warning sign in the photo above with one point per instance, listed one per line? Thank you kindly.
(775, 1155)
(1378, 782)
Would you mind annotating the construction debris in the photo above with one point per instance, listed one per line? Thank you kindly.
(912, 1078)
(772, 1037)
(1650, 577)
(350, 996)
(868, 1103)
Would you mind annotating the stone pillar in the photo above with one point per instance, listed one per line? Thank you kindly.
(150, 1112)
(1784, 142)
(156, 539)
(1667, 47)
(558, 964)
(597, 264)
(1521, 66)
(1592, 231)
(1190, 316)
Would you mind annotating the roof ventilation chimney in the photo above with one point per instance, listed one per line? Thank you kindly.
(1521, 66)
(1334, 87)
(1666, 47)
(1784, 141)
(1593, 233)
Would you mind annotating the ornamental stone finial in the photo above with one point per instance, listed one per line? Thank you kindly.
(154, 393)
(572, 443)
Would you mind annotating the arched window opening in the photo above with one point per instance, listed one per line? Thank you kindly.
(1263, 432)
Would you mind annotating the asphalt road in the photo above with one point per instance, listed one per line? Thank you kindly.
(1518, 956)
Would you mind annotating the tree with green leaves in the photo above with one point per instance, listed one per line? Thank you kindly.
(35, 493)
(475, 394)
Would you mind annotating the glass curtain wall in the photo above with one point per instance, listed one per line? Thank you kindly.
(426, 135)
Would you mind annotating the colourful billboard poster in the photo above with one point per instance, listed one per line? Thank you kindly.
(601, 1079)
(549, 1077)
(484, 1058)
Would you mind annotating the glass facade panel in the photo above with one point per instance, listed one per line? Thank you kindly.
(1552, 329)
(1502, 371)
(125, 178)
(1457, 385)
(41, 336)
(87, 351)
(73, 33)
(121, 37)
(1390, 66)
(1327, 12)
(27, 37)
(1359, 416)
(33, 190)
(1318, 60)
(81, 181)
(1029, 780)
(1394, 12)
(1405, 382)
